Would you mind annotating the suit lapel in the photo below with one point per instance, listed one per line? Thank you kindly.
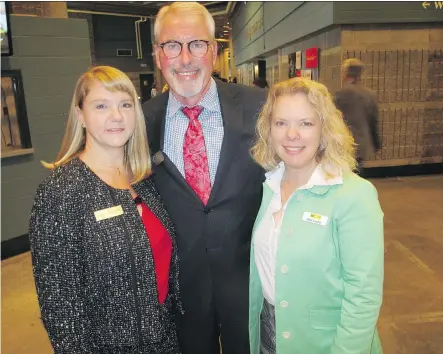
(232, 114)
(156, 125)
(156, 133)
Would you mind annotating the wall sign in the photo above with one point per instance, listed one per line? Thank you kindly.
(258, 25)
(311, 58)
(437, 4)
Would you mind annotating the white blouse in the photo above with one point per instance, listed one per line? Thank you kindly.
(267, 233)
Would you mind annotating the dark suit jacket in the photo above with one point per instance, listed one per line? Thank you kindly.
(360, 111)
(214, 240)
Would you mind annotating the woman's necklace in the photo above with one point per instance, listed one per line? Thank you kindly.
(119, 171)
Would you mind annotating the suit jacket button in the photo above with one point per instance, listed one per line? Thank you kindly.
(207, 210)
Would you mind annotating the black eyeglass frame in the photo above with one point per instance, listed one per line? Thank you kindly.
(161, 45)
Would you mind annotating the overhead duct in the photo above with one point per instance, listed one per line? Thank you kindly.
(138, 37)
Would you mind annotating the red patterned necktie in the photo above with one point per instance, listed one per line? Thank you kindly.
(194, 155)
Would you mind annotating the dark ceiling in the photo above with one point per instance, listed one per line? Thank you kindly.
(220, 10)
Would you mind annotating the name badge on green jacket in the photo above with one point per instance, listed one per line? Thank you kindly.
(315, 218)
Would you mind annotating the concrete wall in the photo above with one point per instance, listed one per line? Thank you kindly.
(51, 54)
(108, 33)
(116, 32)
(261, 27)
(404, 67)
(330, 68)
(393, 36)
(378, 12)
(401, 44)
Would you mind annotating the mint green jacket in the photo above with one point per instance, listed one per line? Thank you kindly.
(328, 278)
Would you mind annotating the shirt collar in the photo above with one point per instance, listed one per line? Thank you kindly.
(318, 178)
(209, 102)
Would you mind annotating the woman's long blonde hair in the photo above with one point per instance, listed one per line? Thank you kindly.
(137, 157)
(337, 149)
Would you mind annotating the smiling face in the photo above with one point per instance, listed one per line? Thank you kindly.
(188, 77)
(295, 132)
(109, 117)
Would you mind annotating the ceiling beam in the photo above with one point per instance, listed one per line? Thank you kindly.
(107, 13)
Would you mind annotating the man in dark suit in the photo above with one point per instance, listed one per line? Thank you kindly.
(360, 110)
(200, 133)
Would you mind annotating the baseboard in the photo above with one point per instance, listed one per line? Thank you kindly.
(15, 246)
(402, 171)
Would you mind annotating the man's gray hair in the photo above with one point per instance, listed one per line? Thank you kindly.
(184, 9)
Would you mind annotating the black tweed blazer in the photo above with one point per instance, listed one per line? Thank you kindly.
(96, 280)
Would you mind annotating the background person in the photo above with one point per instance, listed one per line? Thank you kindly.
(360, 110)
(260, 82)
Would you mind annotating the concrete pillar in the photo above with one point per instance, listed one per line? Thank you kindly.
(283, 66)
(225, 64)
(234, 71)
(158, 77)
(217, 66)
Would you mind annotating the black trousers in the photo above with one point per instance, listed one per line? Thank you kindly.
(268, 340)
(206, 335)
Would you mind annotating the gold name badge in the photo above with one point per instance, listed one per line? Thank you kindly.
(108, 213)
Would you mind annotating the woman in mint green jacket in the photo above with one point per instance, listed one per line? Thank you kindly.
(317, 252)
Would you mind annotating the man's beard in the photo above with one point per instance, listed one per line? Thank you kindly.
(187, 88)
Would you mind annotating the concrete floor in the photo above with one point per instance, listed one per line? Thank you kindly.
(411, 320)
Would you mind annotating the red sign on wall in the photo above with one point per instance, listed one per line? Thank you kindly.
(311, 58)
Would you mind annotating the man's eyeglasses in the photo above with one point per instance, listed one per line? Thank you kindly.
(172, 49)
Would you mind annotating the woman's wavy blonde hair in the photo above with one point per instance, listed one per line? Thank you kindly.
(337, 148)
(137, 156)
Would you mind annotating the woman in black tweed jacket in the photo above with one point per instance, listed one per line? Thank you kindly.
(97, 225)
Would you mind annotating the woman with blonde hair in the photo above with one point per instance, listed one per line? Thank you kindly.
(316, 271)
(103, 247)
